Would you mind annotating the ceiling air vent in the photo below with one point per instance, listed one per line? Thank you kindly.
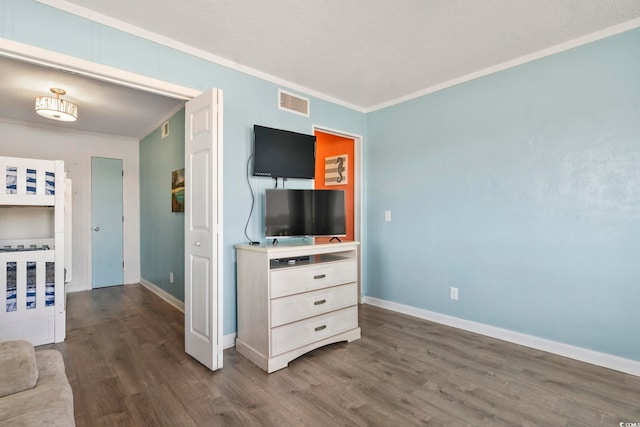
(293, 103)
(164, 130)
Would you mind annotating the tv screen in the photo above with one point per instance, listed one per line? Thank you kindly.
(283, 154)
(301, 213)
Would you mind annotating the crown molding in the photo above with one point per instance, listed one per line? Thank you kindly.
(36, 55)
(165, 41)
(589, 38)
(190, 50)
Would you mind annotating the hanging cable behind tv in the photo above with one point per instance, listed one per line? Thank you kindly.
(253, 201)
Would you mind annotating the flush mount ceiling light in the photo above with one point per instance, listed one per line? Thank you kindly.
(56, 108)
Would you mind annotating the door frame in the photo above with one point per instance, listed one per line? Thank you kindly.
(35, 55)
(358, 225)
(47, 58)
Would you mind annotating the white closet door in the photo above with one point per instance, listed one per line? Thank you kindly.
(203, 225)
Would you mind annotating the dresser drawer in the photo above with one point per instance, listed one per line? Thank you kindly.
(288, 281)
(308, 304)
(298, 334)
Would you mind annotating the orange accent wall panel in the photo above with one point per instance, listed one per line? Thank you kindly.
(328, 145)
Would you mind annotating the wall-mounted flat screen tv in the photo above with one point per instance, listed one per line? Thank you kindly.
(283, 154)
(304, 213)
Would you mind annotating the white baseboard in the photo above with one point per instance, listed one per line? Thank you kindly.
(578, 353)
(132, 280)
(229, 341)
(163, 294)
(76, 288)
(72, 288)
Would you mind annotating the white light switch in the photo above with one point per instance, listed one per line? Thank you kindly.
(387, 216)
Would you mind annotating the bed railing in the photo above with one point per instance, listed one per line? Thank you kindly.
(22, 180)
(26, 273)
(23, 282)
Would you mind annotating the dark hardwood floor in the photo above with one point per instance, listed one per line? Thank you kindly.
(125, 360)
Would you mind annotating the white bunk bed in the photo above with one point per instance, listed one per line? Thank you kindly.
(32, 271)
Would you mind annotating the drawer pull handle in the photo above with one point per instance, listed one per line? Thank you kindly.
(319, 328)
(322, 301)
(320, 276)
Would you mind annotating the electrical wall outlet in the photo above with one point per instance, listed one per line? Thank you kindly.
(387, 216)
(171, 277)
(454, 293)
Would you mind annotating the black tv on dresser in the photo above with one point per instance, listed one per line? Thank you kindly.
(304, 213)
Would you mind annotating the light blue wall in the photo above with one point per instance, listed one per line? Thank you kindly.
(247, 101)
(162, 231)
(522, 189)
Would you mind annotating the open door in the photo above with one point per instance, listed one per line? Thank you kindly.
(203, 227)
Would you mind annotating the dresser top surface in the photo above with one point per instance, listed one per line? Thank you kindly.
(285, 248)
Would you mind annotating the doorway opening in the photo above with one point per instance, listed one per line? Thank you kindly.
(55, 60)
(334, 153)
(331, 143)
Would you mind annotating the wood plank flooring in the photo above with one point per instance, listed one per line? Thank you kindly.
(125, 360)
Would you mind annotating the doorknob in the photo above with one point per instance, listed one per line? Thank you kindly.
(198, 244)
(96, 228)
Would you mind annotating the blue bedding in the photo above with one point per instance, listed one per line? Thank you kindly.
(31, 285)
(12, 181)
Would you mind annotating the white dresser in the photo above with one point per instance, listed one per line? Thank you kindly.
(293, 299)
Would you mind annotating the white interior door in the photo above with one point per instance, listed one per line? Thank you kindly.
(203, 225)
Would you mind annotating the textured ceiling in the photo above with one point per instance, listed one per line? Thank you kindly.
(365, 52)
